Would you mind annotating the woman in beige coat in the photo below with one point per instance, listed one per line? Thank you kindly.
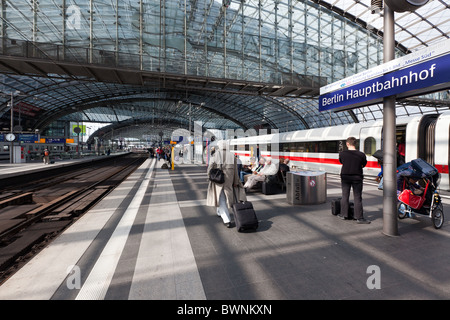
(221, 195)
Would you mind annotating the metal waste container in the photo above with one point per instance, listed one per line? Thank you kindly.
(306, 187)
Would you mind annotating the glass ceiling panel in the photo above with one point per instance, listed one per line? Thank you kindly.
(424, 27)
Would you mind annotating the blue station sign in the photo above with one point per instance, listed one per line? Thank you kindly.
(406, 81)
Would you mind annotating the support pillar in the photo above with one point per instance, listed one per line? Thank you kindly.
(390, 222)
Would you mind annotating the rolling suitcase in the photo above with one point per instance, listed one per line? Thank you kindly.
(423, 166)
(245, 216)
(335, 206)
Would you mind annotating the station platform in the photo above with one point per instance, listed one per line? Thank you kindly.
(154, 238)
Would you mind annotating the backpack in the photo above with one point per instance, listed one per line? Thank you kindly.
(46, 153)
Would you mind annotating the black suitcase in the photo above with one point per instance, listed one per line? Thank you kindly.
(245, 216)
(424, 167)
(336, 207)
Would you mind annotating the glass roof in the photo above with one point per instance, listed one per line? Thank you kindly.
(286, 43)
(426, 26)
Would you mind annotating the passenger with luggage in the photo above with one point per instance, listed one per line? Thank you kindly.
(223, 195)
(353, 161)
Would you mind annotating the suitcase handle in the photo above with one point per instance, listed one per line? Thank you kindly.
(235, 198)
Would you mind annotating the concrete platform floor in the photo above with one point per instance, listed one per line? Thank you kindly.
(304, 252)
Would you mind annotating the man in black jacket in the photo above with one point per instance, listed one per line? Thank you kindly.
(353, 161)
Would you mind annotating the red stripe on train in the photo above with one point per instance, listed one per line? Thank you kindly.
(370, 164)
(442, 168)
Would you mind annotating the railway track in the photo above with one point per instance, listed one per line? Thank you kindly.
(34, 213)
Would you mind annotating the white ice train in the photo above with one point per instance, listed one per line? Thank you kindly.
(425, 137)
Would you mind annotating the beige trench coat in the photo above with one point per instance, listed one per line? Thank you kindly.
(231, 178)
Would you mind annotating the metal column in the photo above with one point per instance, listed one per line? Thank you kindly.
(390, 225)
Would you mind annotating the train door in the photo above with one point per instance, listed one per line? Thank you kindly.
(370, 139)
(442, 149)
(400, 140)
(425, 138)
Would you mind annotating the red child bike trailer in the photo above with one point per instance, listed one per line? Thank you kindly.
(413, 176)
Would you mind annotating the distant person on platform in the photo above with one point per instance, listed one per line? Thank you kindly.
(46, 156)
(353, 161)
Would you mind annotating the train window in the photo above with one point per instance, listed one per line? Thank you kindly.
(328, 146)
(334, 146)
(290, 147)
(370, 146)
(313, 146)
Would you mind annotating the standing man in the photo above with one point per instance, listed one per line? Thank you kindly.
(353, 161)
